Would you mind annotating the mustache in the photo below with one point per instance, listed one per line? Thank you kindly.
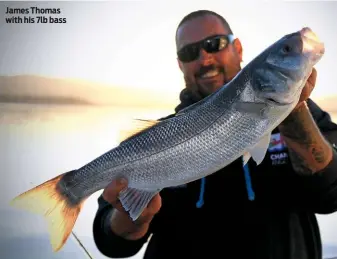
(205, 69)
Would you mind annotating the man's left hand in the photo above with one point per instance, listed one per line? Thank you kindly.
(308, 88)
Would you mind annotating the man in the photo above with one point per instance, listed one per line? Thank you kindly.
(252, 212)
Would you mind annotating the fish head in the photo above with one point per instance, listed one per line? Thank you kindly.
(282, 69)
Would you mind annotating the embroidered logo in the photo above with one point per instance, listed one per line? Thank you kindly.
(277, 146)
(279, 158)
(277, 143)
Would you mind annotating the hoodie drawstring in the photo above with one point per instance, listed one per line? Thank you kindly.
(200, 202)
(187, 99)
(250, 191)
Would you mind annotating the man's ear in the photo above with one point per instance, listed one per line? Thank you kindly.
(238, 47)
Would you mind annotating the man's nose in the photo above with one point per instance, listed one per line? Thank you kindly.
(205, 58)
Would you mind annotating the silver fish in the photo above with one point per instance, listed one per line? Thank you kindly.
(235, 121)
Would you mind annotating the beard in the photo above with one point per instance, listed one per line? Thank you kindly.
(200, 91)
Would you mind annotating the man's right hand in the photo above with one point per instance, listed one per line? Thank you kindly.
(121, 224)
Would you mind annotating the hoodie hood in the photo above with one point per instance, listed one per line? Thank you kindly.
(186, 99)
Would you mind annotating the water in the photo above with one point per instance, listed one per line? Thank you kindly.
(38, 142)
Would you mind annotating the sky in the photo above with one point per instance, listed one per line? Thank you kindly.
(131, 43)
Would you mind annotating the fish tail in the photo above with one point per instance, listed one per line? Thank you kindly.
(47, 200)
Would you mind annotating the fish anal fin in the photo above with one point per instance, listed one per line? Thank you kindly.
(134, 201)
(136, 127)
(60, 214)
(258, 152)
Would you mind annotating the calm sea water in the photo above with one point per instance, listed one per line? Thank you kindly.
(40, 142)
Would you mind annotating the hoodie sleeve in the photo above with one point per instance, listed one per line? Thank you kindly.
(319, 191)
(323, 121)
(106, 241)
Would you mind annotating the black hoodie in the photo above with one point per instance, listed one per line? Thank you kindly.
(256, 213)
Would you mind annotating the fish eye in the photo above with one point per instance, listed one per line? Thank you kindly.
(286, 49)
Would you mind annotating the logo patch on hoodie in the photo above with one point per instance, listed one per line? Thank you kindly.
(277, 148)
(277, 143)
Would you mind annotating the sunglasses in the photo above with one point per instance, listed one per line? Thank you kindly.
(211, 44)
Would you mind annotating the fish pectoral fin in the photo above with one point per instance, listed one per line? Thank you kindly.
(250, 107)
(258, 152)
(137, 126)
(135, 201)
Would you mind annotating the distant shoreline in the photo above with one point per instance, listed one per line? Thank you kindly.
(43, 100)
(42, 90)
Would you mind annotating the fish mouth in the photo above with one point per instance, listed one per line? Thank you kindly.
(312, 46)
(274, 101)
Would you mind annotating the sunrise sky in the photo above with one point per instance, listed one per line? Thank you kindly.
(131, 43)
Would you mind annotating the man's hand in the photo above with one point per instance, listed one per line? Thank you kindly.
(121, 223)
(308, 149)
(308, 88)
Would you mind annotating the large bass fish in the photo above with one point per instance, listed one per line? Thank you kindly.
(235, 121)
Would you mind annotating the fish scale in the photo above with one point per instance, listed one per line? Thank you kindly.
(169, 163)
(152, 141)
(202, 152)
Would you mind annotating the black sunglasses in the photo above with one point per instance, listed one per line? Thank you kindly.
(211, 44)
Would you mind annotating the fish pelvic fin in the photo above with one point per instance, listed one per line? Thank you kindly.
(246, 157)
(134, 201)
(59, 213)
(258, 152)
(136, 127)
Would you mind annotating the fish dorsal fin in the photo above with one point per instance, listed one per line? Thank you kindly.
(136, 127)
